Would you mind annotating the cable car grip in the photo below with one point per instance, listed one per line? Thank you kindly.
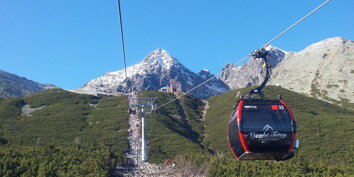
(261, 53)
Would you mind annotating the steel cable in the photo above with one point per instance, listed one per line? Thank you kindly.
(178, 97)
(293, 25)
(122, 40)
(239, 62)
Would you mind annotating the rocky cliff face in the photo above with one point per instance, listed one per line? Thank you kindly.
(324, 69)
(252, 72)
(154, 72)
(12, 85)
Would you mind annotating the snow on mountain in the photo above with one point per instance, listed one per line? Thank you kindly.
(252, 72)
(152, 73)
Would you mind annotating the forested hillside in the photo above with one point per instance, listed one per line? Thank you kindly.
(177, 128)
(180, 133)
(56, 132)
(59, 133)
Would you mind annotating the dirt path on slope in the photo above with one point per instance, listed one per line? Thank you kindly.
(136, 168)
(206, 107)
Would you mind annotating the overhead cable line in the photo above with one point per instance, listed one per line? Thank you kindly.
(122, 39)
(265, 45)
(152, 125)
(178, 97)
(293, 25)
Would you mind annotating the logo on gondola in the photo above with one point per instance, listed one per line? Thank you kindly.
(274, 135)
(250, 107)
(268, 133)
(267, 128)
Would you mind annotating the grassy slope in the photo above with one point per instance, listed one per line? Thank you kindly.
(177, 127)
(69, 120)
(325, 131)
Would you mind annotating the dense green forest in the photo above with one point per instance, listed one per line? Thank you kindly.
(176, 128)
(22, 160)
(73, 133)
(180, 133)
(81, 135)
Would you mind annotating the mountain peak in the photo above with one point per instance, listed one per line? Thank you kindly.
(328, 43)
(275, 49)
(162, 53)
(159, 51)
(153, 73)
(335, 39)
(160, 57)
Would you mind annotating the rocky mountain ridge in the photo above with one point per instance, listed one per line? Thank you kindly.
(12, 85)
(324, 69)
(252, 72)
(153, 73)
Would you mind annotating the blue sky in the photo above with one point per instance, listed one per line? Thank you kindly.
(68, 43)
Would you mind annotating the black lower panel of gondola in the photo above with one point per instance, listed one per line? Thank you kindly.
(267, 156)
(234, 139)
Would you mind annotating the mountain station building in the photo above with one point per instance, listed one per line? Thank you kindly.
(175, 86)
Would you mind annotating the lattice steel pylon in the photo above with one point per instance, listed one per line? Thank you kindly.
(142, 103)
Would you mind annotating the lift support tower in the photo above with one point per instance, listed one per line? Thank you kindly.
(143, 103)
